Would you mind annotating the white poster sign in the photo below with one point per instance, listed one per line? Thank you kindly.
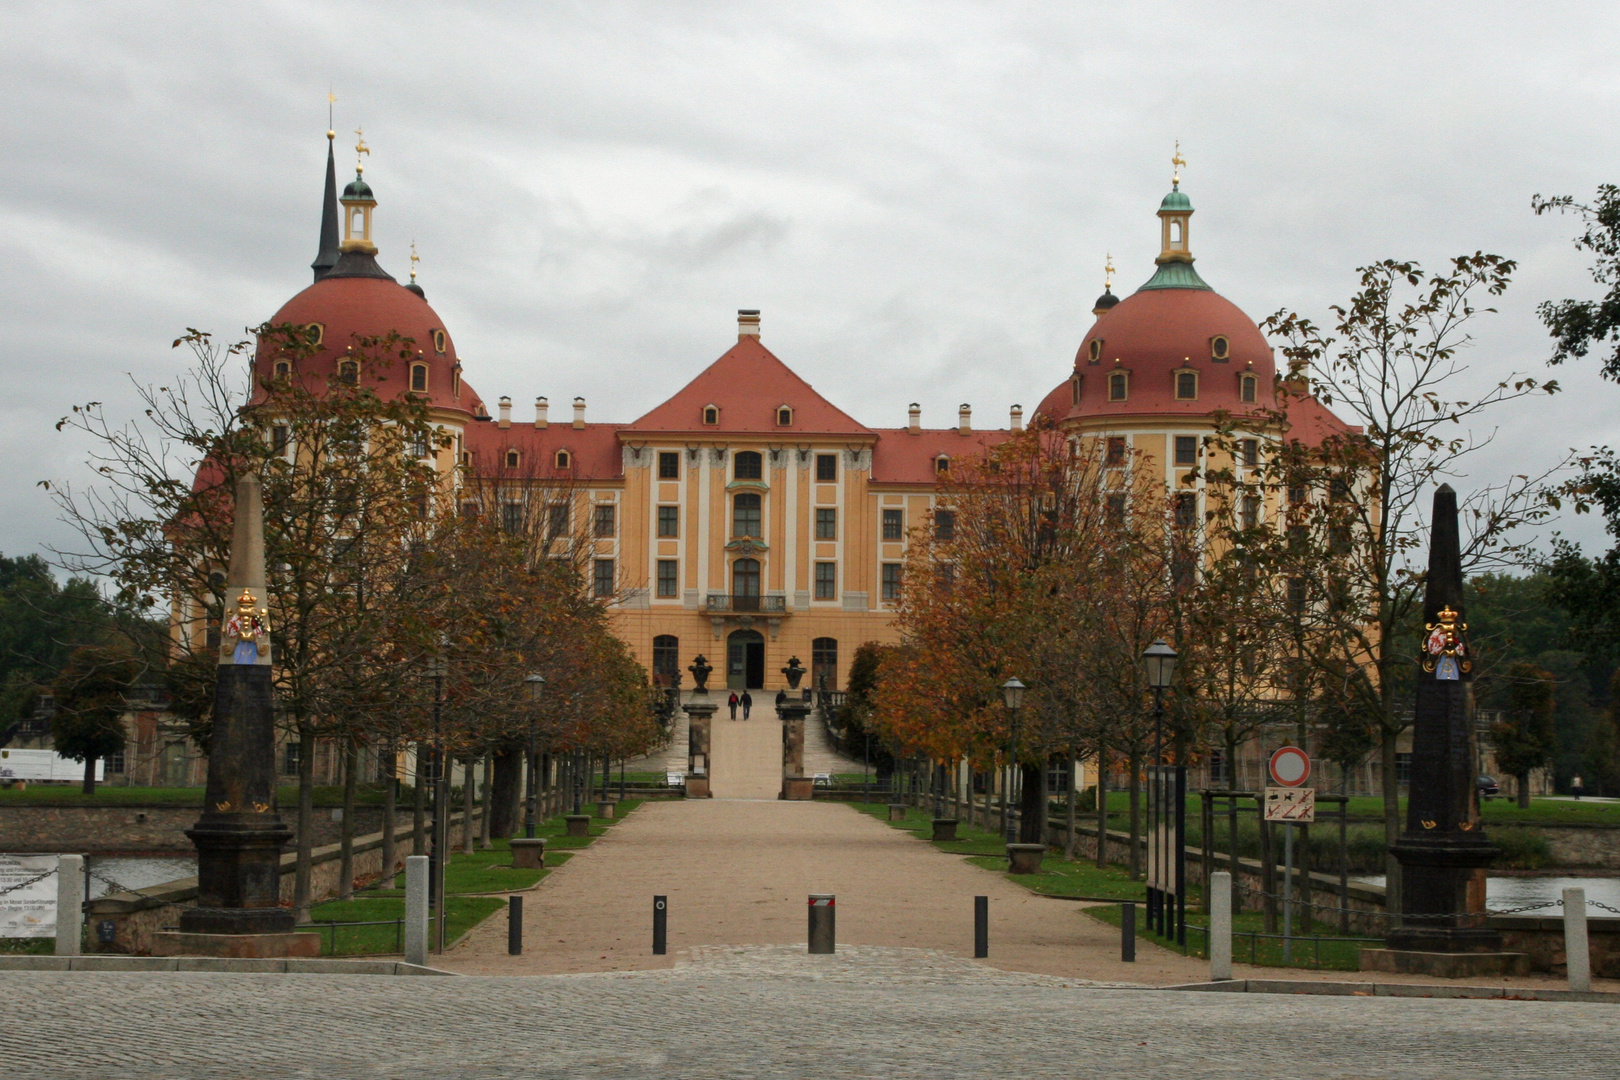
(44, 765)
(29, 911)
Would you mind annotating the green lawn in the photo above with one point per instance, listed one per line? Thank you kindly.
(466, 912)
(1329, 953)
(1369, 809)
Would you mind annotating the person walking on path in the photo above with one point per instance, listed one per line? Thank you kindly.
(733, 704)
(747, 703)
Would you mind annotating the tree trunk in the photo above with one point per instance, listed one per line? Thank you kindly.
(1102, 808)
(306, 822)
(1524, 789)
(1134, 785)
(419, 804)
(483, 822)
(389, 855)
(469, 793)
(89, 776)
(351, 778)
(1069, 821)
(503, 802)
(1006, 797)
(1032, 804)
(1392, 821)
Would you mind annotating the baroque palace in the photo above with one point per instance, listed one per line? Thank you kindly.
(749, 518)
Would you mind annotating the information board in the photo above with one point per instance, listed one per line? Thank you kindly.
(29, 911)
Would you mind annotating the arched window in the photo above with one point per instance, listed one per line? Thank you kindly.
(784, 416)
(1175, 230)
(1249, 387)
(1074, 389)
(824, 663)
(1186, 386)
(745, 585)
(283, 369)
(747, 465)
(349, 372)
(666, 659)
(745, 515)
(942, 465)
(564, 459)
(711, 414)
(1096, 350)
(1117, 384)
(418, 377)
(511, 459)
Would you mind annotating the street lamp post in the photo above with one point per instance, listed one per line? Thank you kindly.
(1012, 696)
(437, 668)
(535, 684)
(1159, 660)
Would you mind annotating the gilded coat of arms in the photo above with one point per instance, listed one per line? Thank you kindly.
(247, 629)
(1445, 653)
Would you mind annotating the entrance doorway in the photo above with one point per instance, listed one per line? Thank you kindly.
(745, 660)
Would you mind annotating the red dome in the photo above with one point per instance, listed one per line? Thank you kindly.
(1151, 335)
(351, 308)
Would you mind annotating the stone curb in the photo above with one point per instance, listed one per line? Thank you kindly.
(1407, 990)
(293, 966)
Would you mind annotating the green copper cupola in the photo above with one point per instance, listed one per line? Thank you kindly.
(1175, 252)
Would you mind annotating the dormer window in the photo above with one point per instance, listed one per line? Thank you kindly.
(315, 332)
(1094, 352)
(1186, 386)
(1118, 386)
(1220, 348)
(1249, 389)
(564, 459)
(438, 342)
(283, 369)
(455, 381)
(942, 465)
(349, 371)
(784, 416)
(1074, 390)
(711, 414)
(419, 374)
(512, 459)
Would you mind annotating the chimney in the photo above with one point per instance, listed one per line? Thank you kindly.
(579, 412)
(540, 413)
(964, 419)
(915, 427)
(1018, 418)
(506, 411)
(747, 323)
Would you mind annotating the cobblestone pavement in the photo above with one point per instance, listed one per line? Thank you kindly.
(766, 1011)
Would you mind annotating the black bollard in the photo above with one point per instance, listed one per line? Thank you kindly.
(660, 925)
(514, 926)
(1127, 933)
(823, 935)
(981, 927)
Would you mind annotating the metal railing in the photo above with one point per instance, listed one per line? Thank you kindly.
(774, 605)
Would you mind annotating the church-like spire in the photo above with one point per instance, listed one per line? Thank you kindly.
(328, 255)
(1175, 252)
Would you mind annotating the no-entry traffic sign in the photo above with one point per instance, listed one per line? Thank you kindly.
(1290, 767)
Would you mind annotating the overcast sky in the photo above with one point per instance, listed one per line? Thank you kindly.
(918, 196)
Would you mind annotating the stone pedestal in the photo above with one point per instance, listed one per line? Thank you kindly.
(792, 713)
(944, 829)
(1025, 858)
(1445, 965)
(235, 946)
(897, 811)
(604, 808)
(578, 824)
(699, 760)
(529, 854)
(798, 788)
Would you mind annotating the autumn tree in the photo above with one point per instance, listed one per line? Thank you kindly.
(89, 694)
(1524, 737)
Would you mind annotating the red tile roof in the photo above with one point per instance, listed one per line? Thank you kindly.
(901, 457)
(593, 450)
(748, 383)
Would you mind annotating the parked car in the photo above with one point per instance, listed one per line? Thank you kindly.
(1488, 788)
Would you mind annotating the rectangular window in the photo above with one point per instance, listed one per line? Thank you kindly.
(115, 761)
(945, 577)
(1186, 450)
(1116, 386)
(894, 524)
(669, 465)
(668, 578)
(745, 515)
(419, 446)
(945, 525)
(1250, 511)
(891, 581)
(557, 520)
(1338, 489)
(511, 516)
(1186, 386)
(289, 759)
(602, 523)
(278, 439)
(1186, 510)
(1115, 454)
(1250, 449)
(669, 521)
(826, 581)
(1403, 768)
(826, 468)
(826, 523)
(1116, 510)
(602, 578)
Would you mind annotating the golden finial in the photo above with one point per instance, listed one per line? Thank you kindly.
(360, 147)
(331, 99)
(1179, 163)
(415, 258)
(1108, 274)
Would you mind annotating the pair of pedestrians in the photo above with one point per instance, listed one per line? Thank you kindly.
(746, 701)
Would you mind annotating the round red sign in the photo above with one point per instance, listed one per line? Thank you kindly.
(1290, 766)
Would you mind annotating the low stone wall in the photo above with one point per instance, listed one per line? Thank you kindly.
(135, 917)
(112, 829)
(1581, 845)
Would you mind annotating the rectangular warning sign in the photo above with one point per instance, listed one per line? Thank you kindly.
(1291, 804)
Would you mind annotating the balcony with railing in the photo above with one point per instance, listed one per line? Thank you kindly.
(733, 603)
